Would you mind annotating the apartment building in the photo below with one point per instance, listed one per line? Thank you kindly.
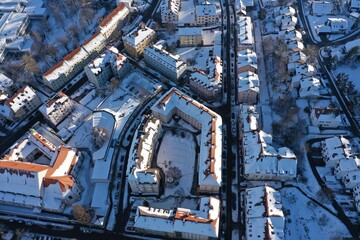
(171, 66)
(184, 223)
(57, 108)
(205, 14)
(325, 117)
(208, 83)
(23, 102)
(190, 37)
(335, 148)
(109, 64)
(170, 11)
(246, 61)
(245, 33)
(248, 87)
(264, 218)
(137, 40)
(114, 20)
(143, 178)
(36, 174)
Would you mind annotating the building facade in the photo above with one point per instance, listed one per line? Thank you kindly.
(137, 40)
(57, 108)
(171, 66)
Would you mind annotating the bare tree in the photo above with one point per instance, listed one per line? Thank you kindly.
(30, 64)
(64, 43)
(86, 14)
(114, 84)
(75, 32)
(53, 51)
(81, 214)
(57, 14)
(99, 136)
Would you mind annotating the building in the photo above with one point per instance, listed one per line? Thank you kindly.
(299, 57)
(190, 37)
(351, 179)
(333, 25)
(171, 66)
(245, 33)
(354, 5)
(248, 116)
(62, 72)
(184, 223)
(309, 87)
(286, 22)
(246, 61)
(38, 175)
(143, 178)
(210, 144)
(170, 11)
(345, 166)
(248, 87)
(295, 46)
(335, 148)
(284, 11)
(109, 64)
(137, 40)
(7, 87)
(205, 14)
(57, 108)
(264, 218)
(263, 162)
(114, 20)
(208, 83)
(291, 34)
(325, 117)
(24, 102)
(356, 196)
(12, 33)
(320, 8)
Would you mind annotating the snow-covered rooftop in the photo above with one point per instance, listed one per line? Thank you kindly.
(205, 10)
(247, 57)
(138, 35)
(245, 31)
(248, 81)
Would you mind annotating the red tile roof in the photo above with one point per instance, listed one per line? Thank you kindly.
(108, 18)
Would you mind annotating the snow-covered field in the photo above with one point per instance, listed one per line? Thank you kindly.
(178, 151)
(306, 220)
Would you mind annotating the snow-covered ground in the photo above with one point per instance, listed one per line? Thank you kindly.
(353, 71)
(306, 220)
(200, 55)
(178, 151)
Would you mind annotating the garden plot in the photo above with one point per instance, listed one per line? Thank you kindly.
(176, 157)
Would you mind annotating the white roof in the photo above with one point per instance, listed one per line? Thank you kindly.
(337, 147)
(247, 57)
(297, 56)
(350, 164)
(22, 97)
(245, 27)
(194, 31)
(355, 4)
(104, 120)
(293, 45)
(5, 82)
(291, 34)
(284, 10)
(209, 172)
(205, 10)
(248, 81)
(309, 87)
(10, 24)
(248, 118)
(322, 8)
(138, 35)
(262, 202)
(52, 105)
